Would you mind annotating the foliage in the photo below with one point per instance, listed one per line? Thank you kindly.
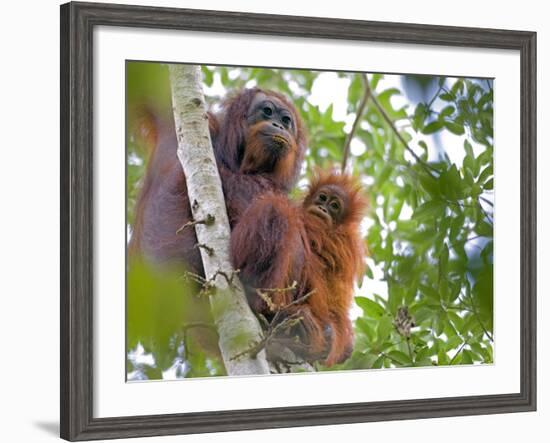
(427, 166)
(161, 313)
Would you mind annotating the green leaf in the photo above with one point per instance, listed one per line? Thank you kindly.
(384, 98)
(364, 326)
(482, 292)
(385, 326)
(400, 357)
(378, 363)
(371, 308)
(422, 314)
(432, 127)
(454, 342)
(485, 229)
(466, 357)
(457, 224)
(420, 114)
(429, 184)
(451, 184)
(468, 148)
(439, 323)
(485, 174)
(375, 78)
(443, 262)
(208, 76)
(458, 87)
(384, 174)
(430, 292)
(468, 164)
(476, 347)
(355, 89)
(396, 292)
(447, 111)
(455, 128)
(425, 353)
(423, 145)
(157, 304)
(428, 210)
(487, 253)
(368, 272)
(442, 358)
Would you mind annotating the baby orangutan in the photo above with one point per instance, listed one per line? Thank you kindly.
(324, 256)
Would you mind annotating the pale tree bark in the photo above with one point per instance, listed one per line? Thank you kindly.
(238, 328)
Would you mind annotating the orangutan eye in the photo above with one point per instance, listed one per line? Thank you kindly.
(268, 111)
(286, 120)
(323, 197)
(335, 206)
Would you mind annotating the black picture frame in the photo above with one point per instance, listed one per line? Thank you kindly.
(77, 23)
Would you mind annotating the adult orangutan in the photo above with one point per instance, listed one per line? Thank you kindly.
(317, 245)
(259, 143)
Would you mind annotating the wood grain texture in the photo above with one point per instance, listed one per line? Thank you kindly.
(77, 23)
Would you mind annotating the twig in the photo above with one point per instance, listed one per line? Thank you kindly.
(458, 352)
(268, 301)
(458, 203)
(256, 348)
(478, 318)
(409, 348)
(280, 309)
(300, 300)
(486, 200)
(188, 275)
(263, 294)
(289, 288)
(208, 221)
(274, 326)
(206, 285)
(485, 213)
(358, 116)
(395, 362)
(280, 361)
(207, 248)
(229, 279)
(429, 105)
(429, 169)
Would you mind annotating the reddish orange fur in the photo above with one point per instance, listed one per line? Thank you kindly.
(335, 261)
(323, 259)
(256, 158)
(163, 205)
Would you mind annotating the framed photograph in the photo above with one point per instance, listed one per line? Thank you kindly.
(272, 221)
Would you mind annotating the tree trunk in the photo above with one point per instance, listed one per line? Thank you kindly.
(237, 326)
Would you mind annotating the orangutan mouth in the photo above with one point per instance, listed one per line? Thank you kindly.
(317, 211)
(279, 139)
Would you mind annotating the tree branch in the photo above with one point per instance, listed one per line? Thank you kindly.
(358, 116)
(458, 352)
(236, 324)
(429, 169)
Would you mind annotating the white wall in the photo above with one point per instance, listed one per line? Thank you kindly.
(29, 140)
